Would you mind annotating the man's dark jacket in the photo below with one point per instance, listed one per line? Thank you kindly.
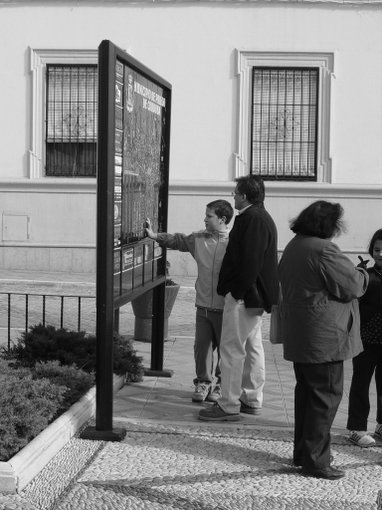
(249, 268)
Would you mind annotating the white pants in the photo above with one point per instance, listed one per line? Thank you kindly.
(242, 360)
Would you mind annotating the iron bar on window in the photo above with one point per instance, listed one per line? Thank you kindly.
(71, 120)
(284, 122)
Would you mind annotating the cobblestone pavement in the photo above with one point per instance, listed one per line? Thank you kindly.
(171, 461)
(190, 467)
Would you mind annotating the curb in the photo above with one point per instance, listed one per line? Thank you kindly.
(17, 472)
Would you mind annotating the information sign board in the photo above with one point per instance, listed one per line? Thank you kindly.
(141, 140)
(132, 184)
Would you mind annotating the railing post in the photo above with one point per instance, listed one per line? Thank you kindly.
(43, 309)
(9, 321)
(79, 314)
(62, 312)
(26, 313)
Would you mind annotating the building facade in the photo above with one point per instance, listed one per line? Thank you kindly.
(287, 89)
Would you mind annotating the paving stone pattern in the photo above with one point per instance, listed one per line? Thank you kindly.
(171, 461)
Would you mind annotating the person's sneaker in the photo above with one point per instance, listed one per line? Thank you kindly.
(361, 438)
(201, 391)
(244, 408)
(214, 394)
(378, 431)
(216, 413)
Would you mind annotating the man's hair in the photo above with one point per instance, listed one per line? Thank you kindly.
(320, 219)
(377, 236)
(253, 187)
(222, 208)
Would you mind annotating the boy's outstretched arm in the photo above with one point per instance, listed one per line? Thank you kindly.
(179, 242)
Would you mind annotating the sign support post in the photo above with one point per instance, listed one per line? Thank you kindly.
(132, 184)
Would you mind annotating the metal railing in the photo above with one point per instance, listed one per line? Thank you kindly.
(19, 311)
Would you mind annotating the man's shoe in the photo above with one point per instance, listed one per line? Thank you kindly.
(214, 394)
(201, 391)
(361, 438)
(378, 431)
(216, 413)
(328, 473)
(244, 408)
(298, 462)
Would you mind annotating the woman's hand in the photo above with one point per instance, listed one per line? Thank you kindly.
(363, 263)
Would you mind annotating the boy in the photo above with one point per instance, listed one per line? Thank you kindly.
(208, 249)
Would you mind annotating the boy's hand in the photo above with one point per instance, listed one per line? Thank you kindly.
(149, 230)
(363, 263)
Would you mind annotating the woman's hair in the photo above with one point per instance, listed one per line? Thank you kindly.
(377, 236)
(320, 219)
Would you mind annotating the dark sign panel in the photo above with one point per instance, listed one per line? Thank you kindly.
(141, 106)
(138, 134)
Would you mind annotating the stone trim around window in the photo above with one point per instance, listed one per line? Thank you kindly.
(38, 60)
(245, 61)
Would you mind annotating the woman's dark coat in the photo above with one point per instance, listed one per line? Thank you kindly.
(319, 313)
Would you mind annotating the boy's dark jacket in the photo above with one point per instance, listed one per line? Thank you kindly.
(249, 268)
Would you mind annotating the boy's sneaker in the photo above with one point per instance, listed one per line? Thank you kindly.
(361, 438)
(201, 391)
(216, 393)
(378, 431)
(216, 413)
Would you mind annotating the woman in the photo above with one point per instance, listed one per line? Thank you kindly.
(370, 360)
(320, 323)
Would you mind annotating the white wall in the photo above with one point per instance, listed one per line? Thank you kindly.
(192, 45)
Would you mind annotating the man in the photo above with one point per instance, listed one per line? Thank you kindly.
(248, 280)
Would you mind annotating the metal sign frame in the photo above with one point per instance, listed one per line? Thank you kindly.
(152, 271)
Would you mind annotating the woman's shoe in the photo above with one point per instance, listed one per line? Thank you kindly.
(328, 473)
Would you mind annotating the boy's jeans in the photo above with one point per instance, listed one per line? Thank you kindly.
(207, 339)
(242, 361)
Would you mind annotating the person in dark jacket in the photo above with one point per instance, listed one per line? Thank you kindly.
(248, 280)
(370, 360)
(320, 326)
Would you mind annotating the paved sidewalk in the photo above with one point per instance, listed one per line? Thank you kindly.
(171, 460)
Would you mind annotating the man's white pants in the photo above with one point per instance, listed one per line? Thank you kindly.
(242, 360)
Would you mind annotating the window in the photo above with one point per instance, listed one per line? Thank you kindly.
(284, 114)
(71, 120)
(64, 115)
(284, 123)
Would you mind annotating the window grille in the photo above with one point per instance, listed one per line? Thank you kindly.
(71, 120)
(284, 123)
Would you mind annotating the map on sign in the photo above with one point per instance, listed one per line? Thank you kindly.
(139, 169)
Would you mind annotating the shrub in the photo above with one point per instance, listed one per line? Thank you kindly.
(30, 406)
(126, 362)
(76, 381)
(46, 372)
(46, 343)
